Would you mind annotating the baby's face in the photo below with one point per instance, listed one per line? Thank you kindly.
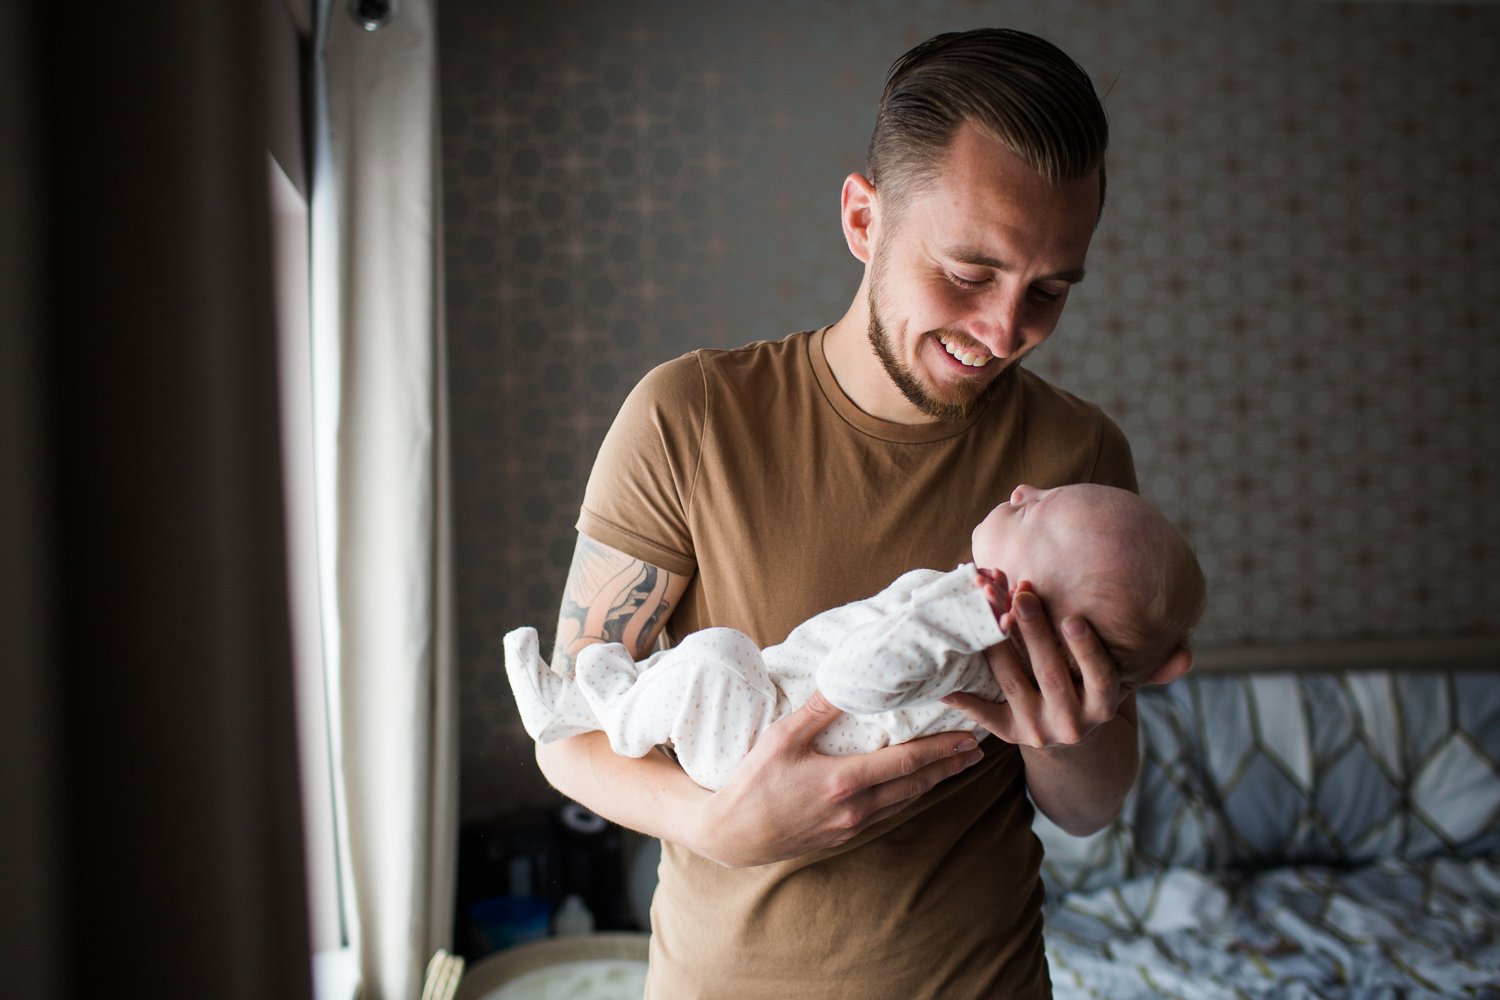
(1053, 538)
(1034, 536)
(1098, 552)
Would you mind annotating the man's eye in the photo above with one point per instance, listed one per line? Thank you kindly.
(963, 282)
(1045, 294)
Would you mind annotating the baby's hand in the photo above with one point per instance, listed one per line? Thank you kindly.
(996, 590)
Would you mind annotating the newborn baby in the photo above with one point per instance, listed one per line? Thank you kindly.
(1095, 551)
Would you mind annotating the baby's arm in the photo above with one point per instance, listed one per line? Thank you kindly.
(922, 648)
(551, 705)
(709, 697)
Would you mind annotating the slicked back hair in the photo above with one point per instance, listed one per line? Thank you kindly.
(1015, 88)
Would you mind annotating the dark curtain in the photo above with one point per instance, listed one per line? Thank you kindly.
(152, 843)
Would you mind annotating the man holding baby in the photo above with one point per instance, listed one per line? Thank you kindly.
(753, 488)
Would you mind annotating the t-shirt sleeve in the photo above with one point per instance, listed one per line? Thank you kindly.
(640, 490)
(1067, 439)
(1113, 463)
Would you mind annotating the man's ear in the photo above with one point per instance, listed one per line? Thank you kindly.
(1179, 663)
(857, 212)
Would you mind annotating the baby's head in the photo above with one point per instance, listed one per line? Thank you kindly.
(1105, 555)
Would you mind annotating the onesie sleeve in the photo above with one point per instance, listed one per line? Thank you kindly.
(914, 652)
(640, 489)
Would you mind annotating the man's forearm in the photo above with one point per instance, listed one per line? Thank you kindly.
(650, 794)
(611, 596)
(1082, 787)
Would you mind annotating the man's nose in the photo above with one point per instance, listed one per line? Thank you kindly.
(998, 325)
(1023, 494)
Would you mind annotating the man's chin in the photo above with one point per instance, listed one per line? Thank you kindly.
(966, 394)
(954, 402)
(924, 387)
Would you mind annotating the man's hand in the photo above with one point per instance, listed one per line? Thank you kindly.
(785, 799)
(1046, 706)
(1077, 734)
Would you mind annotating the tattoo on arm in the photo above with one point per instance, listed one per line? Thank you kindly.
(610, 597)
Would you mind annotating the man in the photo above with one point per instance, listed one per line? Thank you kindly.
(738, 488)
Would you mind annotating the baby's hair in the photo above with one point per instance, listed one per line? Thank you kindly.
(1164, 607)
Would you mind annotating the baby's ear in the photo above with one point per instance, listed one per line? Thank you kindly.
(1178, 664)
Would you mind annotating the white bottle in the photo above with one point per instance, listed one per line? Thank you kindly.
(573, 917)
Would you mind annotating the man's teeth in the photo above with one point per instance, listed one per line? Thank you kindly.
(972, 360)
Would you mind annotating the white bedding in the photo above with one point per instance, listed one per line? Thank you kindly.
(1293, 835)
(1394, 929)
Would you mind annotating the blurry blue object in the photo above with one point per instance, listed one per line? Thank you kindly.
(502, 921)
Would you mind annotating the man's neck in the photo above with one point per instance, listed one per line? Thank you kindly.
(858, 371)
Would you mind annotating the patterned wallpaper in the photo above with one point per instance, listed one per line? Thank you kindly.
(1289, 308)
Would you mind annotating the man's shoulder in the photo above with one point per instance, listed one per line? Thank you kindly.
(1064, 430)
(789, 352)
(1039, 396)
(709, 370)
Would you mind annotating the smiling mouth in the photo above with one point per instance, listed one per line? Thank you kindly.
(963, 355)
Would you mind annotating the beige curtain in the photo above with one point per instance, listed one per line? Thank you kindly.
(381, 405)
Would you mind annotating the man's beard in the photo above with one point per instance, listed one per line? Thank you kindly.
(911, 385)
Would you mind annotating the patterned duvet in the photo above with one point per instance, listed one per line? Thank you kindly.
(1293, 836)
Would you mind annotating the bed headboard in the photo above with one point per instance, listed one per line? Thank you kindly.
(1469, 652)
(1261, 768)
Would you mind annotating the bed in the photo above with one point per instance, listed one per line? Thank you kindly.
(1294, 833)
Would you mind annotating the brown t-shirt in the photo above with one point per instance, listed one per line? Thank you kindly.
(751, 471)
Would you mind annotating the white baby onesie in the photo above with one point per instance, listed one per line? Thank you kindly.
(885, 661)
